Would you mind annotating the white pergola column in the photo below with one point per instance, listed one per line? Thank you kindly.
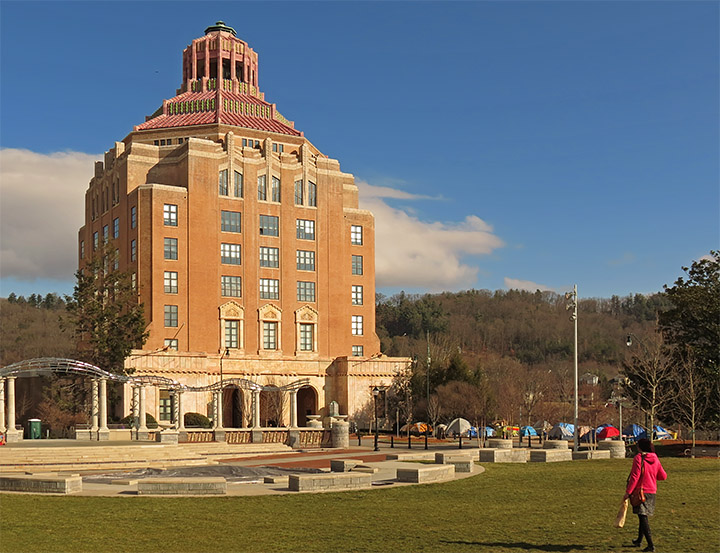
(293, 408)
(136, 407)
(10, 404)
(95, 408)
(3, 428)
(104, 432)
(219, 408)
(143, 421)
(256, 408)
(180, 419)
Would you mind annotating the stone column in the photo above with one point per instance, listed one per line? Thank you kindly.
(136, 409)
(219, 403)
(11, 435)
(293, 408)
(142, 429)
(3, 428)
(256, 409)
(180, 424)
(103, 432)
(95, 408)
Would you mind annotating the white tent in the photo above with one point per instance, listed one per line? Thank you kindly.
(458, 427)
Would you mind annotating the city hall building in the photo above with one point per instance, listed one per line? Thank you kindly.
(247, 248)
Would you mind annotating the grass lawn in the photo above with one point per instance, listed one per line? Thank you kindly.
(510, 508)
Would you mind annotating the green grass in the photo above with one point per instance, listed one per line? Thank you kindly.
(558, 507)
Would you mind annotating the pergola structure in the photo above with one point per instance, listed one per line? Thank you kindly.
(99, 428)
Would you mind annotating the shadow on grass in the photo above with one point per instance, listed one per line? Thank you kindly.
(518, 545)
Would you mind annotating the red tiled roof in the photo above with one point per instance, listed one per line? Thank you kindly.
(217, 115)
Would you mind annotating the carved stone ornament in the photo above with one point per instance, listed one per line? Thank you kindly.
(232, 310)
(269, 311)
(306, 313)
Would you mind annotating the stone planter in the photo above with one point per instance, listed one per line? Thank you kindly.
(616, 448)
(556, 444)
(500, 443)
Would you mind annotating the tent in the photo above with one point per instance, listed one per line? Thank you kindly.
(489, 431)
(440, 430)
(634, 431)
(527, 430)
(458, 427)
(586, 433)
(562, 431)
(662, 434)
(607, 432)
(416, 428)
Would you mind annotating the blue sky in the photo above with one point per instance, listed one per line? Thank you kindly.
(499, 144)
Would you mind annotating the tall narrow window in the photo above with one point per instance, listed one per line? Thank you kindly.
(116, 260)
(133, 250)
(96, 240)
(306, 336)
(170, 215)
(106, 233)
(171, 248)
(238, 184)
(356, 235)
(171, 315)
(230, 221)
(312, 194)
(305, 260)
(116, 228)
(171, 282)
(269, 257)
(230, 254)
(298, 192)
(231, 333)
(305, 291)
(275, 189)
(231, 286)
(262, 187)
(133, 217)
(357, 264)
(82, 249)
(269, 289)
(269, 335)
(223, 182)
(269, 225)
(357, 351)
(357, 295)
(357, 325)
(305, 229)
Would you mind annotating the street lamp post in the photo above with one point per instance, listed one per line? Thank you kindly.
(573, 304)
(375, 393)
(222, 387)
(427, 424)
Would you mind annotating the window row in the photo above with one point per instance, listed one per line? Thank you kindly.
(304, 194)
(169, 141)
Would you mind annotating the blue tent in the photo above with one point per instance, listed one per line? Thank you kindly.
(489, 431)
(562, 431)
(661, 433)
(634, 431)
(527, 430)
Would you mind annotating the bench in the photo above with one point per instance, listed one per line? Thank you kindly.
(333, 481)
(41, 483)
(591, 454)
(425, 474)
(343, 465)
(182, 486)
(550, 455)
(462, 463)
(491, 455)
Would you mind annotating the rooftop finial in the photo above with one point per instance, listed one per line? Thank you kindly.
(220, 26)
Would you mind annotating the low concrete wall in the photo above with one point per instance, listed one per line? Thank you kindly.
(550, 455)
(615, 447)
(41, 483)
(500, 443)
(423, 475)
(343, 465)
(462, 463)
(488, 455)
(556, 444)
(591, 454)
(182, 486)
(328, 482)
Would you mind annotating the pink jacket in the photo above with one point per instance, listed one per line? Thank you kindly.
(652, 473)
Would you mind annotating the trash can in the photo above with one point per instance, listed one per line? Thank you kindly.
(34, 429)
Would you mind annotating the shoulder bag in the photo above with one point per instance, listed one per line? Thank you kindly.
(637, 496)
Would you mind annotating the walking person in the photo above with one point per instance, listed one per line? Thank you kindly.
(646, 471)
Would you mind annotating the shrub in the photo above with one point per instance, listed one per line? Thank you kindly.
(150, 421)
(196, 419)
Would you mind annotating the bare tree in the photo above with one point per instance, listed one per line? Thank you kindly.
(692, 393)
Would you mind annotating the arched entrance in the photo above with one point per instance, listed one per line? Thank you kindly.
(306, 404)
(272, 401)
(232, 407)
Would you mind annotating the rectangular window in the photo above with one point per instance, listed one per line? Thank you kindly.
(269, 289)
(133, 280)
(305, 291)
(223, 182)
(171, 344)
(230, 221)
(171, 315)
(171, 248)
(231, 286)
(269, 225)
(269, 257)
(170, 215)
(238, 184)
(133, 217)
(305, 260)
(275, 189)
(357, 264)
(356, 235)
(106, 233)
(250, 143)
(133, 250)
(231, 333)
(306, 337)
(357, 325)
(171, 282)
(269, 335)
(305, 229)
(357, 295)
(262, 187)
(116, 228)
(96, 241)
(165, 406)
(230, 254)
(116, 260)
(357, 351)
(298, 192)
(278, 148)
(312, 194)
(82, 249)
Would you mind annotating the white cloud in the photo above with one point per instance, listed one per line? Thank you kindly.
(41, 210)
(411, 253)
(527, 285)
